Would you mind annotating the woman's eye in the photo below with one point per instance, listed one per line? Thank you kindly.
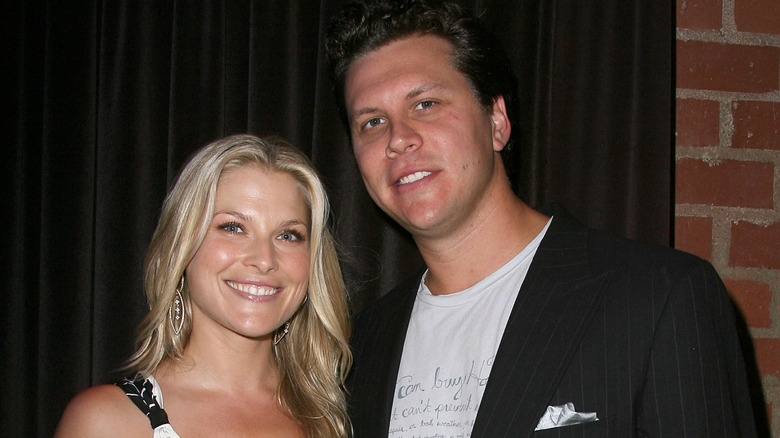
(232, 227)
(290, 235)
(425, 104)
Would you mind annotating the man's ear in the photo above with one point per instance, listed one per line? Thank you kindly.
(502, 127)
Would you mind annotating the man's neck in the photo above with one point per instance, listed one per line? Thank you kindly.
(490, 239)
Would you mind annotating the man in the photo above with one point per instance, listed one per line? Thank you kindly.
(522, 322)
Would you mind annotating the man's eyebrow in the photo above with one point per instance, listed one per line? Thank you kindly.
(364, 110)
(415, 92)
(422, 89)
(418, 91)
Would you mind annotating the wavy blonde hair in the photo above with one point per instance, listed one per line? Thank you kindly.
(314, 358)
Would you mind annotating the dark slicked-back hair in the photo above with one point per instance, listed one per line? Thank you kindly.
(362, 27)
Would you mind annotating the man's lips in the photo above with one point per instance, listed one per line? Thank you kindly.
(416, 176)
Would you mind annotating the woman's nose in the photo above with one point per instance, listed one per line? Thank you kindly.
(262, 255)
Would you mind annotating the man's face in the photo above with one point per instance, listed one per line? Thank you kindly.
(428, 152)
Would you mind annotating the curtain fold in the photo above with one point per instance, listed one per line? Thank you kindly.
(601, 133)
(106, 100)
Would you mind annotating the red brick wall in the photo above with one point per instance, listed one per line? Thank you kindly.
(728, 161)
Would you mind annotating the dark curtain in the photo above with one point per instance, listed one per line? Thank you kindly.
(104, 101)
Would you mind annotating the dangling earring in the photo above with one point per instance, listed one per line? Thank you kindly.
(176, 311)
(278, 337)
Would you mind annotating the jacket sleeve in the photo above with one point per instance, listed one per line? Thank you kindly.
(696, 384)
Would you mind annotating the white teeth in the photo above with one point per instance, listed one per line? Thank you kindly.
(252, 289)
(416, 176)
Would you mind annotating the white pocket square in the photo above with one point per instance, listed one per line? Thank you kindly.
(564, 415)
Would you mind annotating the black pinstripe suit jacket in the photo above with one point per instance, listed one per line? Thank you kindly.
(644, 336)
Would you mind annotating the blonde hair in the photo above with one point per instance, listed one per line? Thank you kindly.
(314, 358)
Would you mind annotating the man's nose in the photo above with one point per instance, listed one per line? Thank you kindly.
(404, 138)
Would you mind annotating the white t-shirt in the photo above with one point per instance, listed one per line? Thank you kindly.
(450, 346)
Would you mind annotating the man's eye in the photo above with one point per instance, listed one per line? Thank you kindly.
(425, 104)
(232, 227)
(371, 123)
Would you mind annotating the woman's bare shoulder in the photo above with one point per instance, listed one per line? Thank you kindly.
(101, 411)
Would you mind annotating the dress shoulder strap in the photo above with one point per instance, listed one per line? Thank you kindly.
(141, 393)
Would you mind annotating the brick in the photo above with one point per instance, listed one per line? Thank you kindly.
(755, 245)
(758, 16)
(754, 300)
(699, 14)
(756, 125)
(728, 183)
(697, 122)
(767, 356)
(727, 67)
(694, 235)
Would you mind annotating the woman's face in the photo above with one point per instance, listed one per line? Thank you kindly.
(251, 272)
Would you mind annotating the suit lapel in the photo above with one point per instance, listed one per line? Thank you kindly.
(389, 335)
(553, 309)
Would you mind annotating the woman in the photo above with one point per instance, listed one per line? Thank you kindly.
(247, 333)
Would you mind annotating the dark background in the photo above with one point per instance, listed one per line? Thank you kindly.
(102, 102)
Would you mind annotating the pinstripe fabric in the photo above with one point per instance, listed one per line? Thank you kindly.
(643, 336)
